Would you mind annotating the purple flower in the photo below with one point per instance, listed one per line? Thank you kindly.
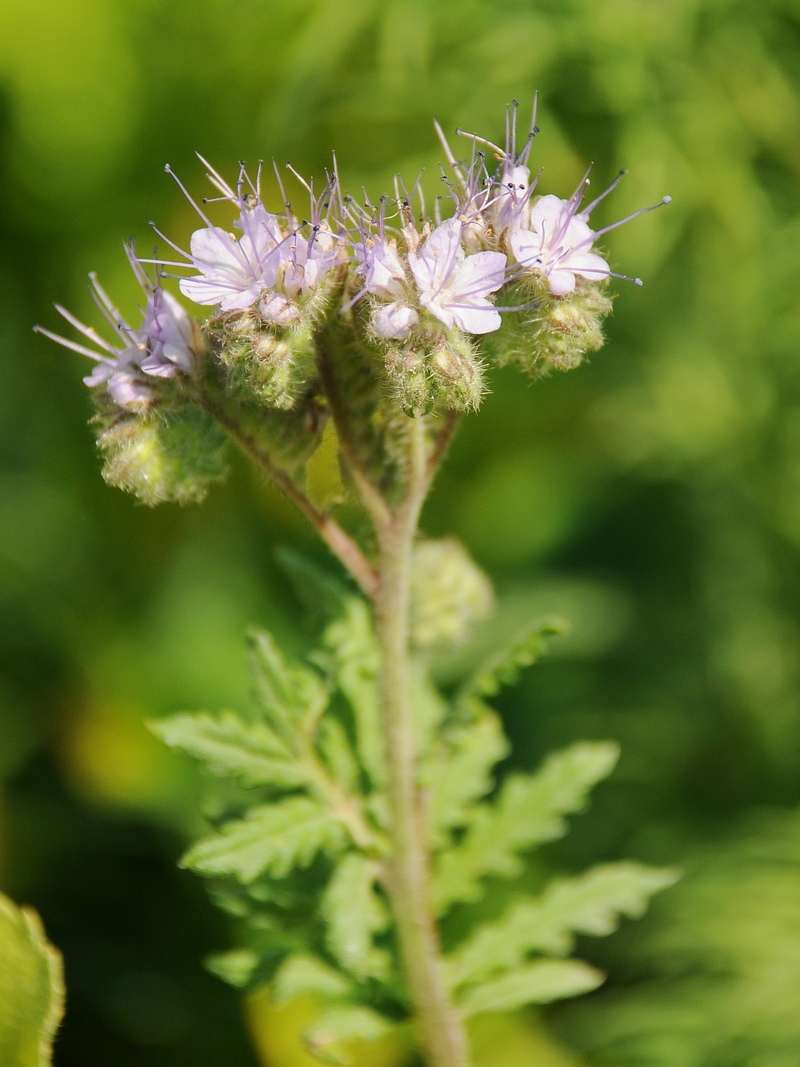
(455, 287)
(235, 272)
(164, 346)
(557, 244)
(170, 336)
(383, 272)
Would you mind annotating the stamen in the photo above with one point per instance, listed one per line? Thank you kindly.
(588, 210)
(171, 244)
(614, 225)
(480, 140)
(526, 151)
(217, 180)
(451, 159)
(302, 180)
(185, 192)
(87, 331)
(81, 349)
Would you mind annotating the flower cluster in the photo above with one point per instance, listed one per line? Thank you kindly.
(425, 295)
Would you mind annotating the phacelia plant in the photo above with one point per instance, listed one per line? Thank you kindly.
(370, 809)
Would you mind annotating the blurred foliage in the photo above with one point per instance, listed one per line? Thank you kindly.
(652, 497)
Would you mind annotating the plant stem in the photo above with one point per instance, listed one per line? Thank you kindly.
(341, 544)
(441, 1029)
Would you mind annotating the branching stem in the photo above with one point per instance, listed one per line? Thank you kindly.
(341, 544)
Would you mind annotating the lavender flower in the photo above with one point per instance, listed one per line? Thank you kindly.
(235, 273)
(557, 245)
(165, 345)
(454, 287)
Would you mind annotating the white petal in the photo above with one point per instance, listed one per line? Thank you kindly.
(477, 319)
(548, 214)
(394, 321)
(527, 247)
(588, 264)
(561, 282)
(443, 314)
(214, 252)
(479, 275)
(441, 254)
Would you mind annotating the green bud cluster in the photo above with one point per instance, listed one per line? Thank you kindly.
(271, 364)
(434, 370)
(162, 454)
(449, 594)
(557, 332)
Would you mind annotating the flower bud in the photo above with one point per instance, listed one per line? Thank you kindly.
(556, 332)
(162, 456)
(449, 593)
(411, 379)
(572, 326)
(269, 362)
(395, 321)
(458, 374)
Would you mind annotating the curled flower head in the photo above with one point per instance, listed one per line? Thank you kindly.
(455, 287)
(165, 345)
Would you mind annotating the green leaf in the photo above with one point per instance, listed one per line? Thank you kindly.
(338, 755)
(530, 810)
(31, 989)
(337, 1028)
(230, 746)
(539, 983)
(293, 697)
(236, 967)
(428, 705)
(273, 838)
(322, 595)
(593, 903)
(354, 912)
(503, 666)
(352, 641)
(463, 774)
(306, 974)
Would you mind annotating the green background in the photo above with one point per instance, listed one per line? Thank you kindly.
(652, 496)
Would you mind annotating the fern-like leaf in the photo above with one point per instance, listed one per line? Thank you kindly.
(272, 839)
(503, 666)
(306, 974)
(354, 913)
(593, 903)
(529, 811)
(463, 774)
(230, 746)
(352, 641)
(338, 755)
(293, 697)
(539, 983)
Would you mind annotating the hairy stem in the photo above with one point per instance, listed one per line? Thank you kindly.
(441, 1030)
(341, 544)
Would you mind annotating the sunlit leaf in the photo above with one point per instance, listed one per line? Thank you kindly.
(529, 811)
(539, 983)
(272, 838)
(593, 903)
(230, 746)
(31, 989)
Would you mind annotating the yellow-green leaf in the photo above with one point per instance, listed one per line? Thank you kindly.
(31, 989)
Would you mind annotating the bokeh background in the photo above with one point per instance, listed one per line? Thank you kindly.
(653, 496)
